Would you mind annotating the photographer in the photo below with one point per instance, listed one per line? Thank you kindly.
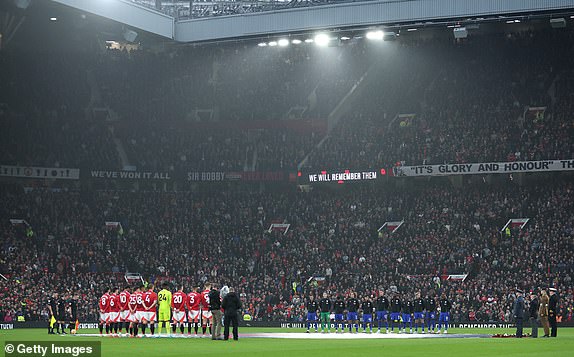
(231, 304)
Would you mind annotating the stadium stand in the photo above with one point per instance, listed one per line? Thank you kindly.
(472, 103)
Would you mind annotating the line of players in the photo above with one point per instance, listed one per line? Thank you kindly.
(396, 312)
(135, 309)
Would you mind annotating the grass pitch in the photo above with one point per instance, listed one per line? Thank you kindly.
(467, 347)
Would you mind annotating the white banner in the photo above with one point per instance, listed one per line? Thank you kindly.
(484, 168)
(130, 175)
(40, 172)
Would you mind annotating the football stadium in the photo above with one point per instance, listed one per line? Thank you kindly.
(286, 177)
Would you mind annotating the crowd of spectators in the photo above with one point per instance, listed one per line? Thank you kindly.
(194, 237)
(198, 9)
(469, 102)
(43, 113)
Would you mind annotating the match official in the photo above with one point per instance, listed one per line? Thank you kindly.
(231, 304)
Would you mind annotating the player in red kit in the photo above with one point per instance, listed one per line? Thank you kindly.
(178, 303)
(133, 303)
(140, 309)
(104, 305)
(193, 301)
(114, 314)
(205, 313)
(150, 306)
(124, 309)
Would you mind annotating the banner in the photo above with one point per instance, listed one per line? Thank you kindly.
(484, 168)
(40, 172)
(247, 176)
(130, 175)
(339, 177)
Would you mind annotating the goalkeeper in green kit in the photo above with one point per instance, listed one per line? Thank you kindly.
(325, 304)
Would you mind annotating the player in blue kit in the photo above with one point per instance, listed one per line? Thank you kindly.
(339, 308)
(419, 312)
(444, 316)
(382, 310)
(312, 308)
(367, 307)
(396, 307)
(352, 313)
(407, 310)
(431, 313)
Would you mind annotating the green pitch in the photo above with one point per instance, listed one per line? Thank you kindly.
(129, 347)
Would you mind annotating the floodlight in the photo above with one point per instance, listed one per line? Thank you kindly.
(322, 39)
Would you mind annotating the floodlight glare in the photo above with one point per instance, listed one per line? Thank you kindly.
(262, 44)
(296, 41)
(272, 43)
(309, 40)
(375, 35)
(53, 19)
(410, 30)
(345, 38)
(322, 39)
(283, 42)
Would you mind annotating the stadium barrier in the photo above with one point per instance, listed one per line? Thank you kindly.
(277, 324)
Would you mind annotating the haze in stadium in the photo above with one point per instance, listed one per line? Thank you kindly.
(290, 178)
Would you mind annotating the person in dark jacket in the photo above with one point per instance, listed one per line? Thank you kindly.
(543, 312)
(518, 312)
(231, 304)
(533, 315)
(215, 308)
(552, 312)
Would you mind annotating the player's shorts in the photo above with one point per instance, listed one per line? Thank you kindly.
(352, 316)
(431, 315)
(381, 315)
(407, 318)
(150, 316)
(164, 315)
(114, 316)
(206, 314)
(178, 316)
(141, 316)
(339, 317)
(131, 317)
(124, 315)
(367, 317)
(193, 315)
(104, 316)
(419, 315)
(311, 316)
(443, 317)
(395, 316)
